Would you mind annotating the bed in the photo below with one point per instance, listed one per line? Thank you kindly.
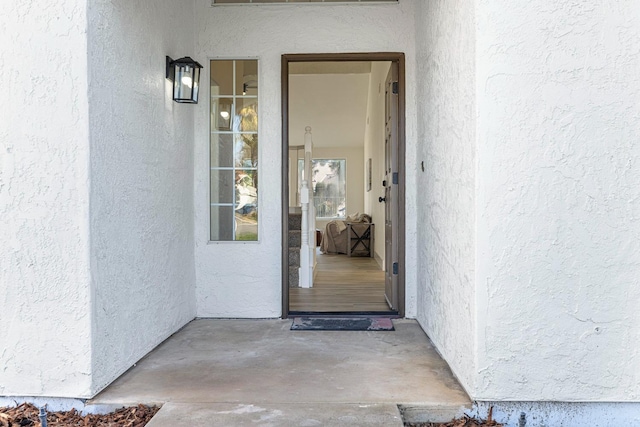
(335, 239)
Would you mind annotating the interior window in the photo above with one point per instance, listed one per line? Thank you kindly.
(234, 150)
(329, 185)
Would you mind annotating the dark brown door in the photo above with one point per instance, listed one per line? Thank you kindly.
(395, 152)
(391, 188)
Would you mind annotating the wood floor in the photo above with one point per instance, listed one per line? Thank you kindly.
(342, 284)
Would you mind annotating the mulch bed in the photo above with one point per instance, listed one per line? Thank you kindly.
(465, 421)
(462, 422)
(26, 415)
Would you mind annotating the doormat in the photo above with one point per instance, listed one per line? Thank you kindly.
(342, 324)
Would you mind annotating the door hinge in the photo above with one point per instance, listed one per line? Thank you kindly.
(395, 178)
(394, 88)
(395, 268)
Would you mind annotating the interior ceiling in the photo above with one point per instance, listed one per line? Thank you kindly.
(332, 98)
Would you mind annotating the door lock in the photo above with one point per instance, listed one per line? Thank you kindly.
(384, 183)
(382, 199)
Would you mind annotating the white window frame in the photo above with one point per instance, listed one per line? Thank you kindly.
(212, 131)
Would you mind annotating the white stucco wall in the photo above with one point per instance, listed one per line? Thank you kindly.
(445, 44)
(45, 326)
(142, 181)
(374, 137)
(558, 200)
(244, 279)
(527, 229)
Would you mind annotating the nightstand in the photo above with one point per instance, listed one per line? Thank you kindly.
(360, 239)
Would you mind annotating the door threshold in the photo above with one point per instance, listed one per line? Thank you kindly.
(346, 314)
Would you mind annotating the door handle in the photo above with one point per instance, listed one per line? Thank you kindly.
(382, 199)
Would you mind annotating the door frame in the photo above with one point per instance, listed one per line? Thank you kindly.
(396, 57)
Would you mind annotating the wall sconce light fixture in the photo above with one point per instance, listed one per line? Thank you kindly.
(185, 75)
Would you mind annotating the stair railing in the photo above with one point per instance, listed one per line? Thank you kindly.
(308, 247)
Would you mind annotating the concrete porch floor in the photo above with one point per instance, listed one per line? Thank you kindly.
(258, 372)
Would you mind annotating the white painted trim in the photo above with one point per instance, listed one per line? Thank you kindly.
(568, 414)
(55, 404)
(532, 414)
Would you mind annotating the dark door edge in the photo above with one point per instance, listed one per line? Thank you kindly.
(396, 57)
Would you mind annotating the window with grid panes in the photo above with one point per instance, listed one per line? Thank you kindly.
(328, 185)
(234, 150)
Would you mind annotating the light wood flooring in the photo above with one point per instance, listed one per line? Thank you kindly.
(342, 284)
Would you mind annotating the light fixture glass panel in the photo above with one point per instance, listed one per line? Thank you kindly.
(196, 83)
(184, 82)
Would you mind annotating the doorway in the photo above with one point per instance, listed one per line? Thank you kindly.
(387, 270)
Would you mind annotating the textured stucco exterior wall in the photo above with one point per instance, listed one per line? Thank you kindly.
(45, 326)
(558, 200)
(142, 181)
(445, 45)
(244, 279)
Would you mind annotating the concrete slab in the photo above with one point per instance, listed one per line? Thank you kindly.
(270, 415)
(263, 363)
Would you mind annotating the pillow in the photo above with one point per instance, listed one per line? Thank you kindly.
(353, 218)
(358, 217)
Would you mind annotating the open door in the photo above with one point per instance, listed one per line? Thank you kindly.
(390, 184)
(391, 171)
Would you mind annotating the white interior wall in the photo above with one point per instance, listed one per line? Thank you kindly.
(333, 105)
(374, 149)
(226, 287)
(446, 210)
(142, 181)
(45, 327)
(558, 200)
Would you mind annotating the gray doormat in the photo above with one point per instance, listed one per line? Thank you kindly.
(342, 324)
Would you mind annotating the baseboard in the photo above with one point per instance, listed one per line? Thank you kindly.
(379, 260)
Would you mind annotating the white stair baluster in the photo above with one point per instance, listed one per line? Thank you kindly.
(308, 246)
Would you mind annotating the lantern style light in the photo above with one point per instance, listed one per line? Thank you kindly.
(185, 75)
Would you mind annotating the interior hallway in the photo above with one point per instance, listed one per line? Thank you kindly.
(342, 284)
